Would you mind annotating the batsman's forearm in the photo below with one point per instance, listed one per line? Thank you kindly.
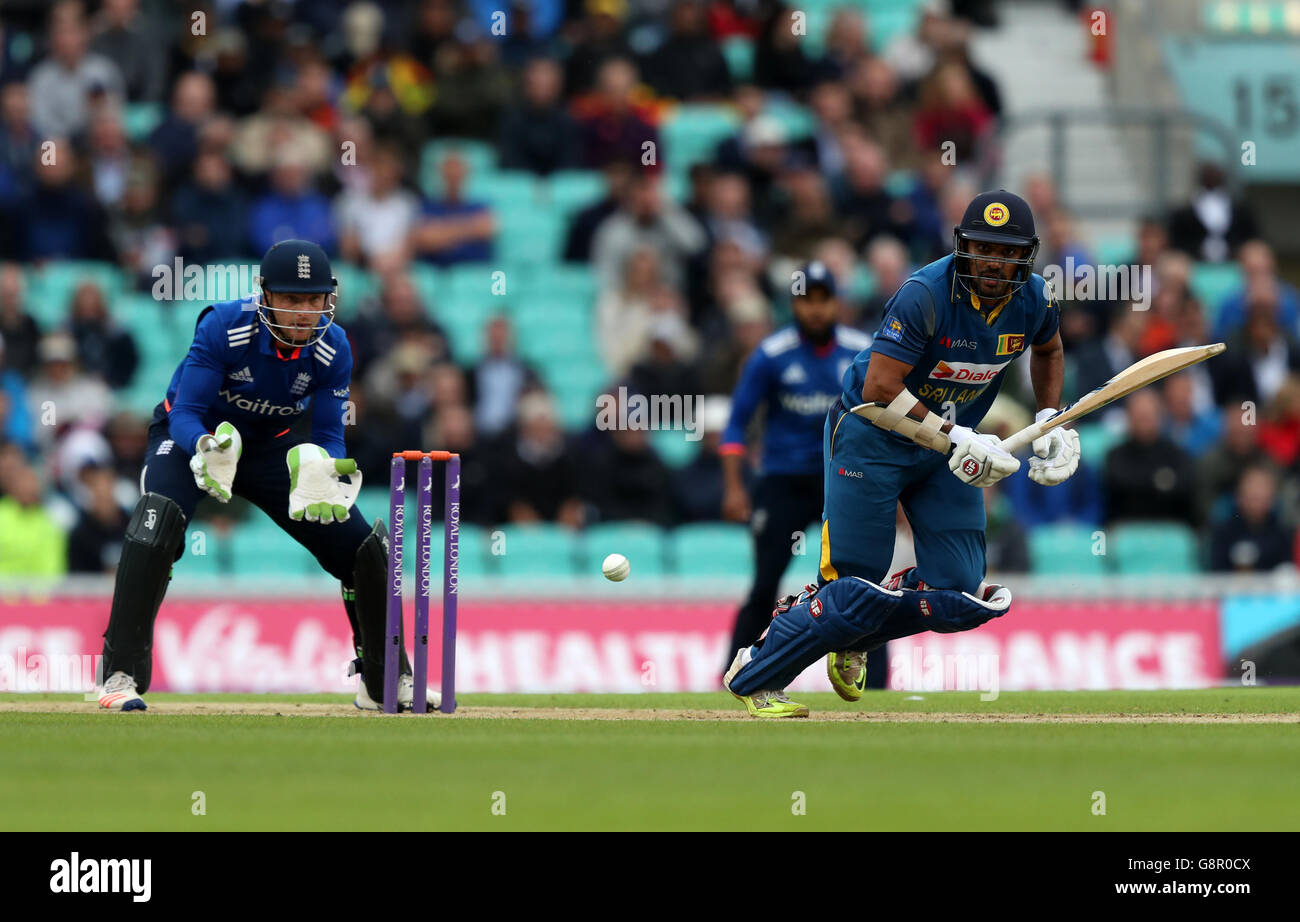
(1047, 374)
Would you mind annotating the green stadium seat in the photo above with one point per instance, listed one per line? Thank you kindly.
(260, 547)
(355, 285)
(510, 192)
(1212, 283)
(1096, 440)
(50, 288)
(139, 119)
(217, 559)
(1153, 547)
(538, 550)
(693, 131)
(1113, 249)
(642, 543)
(572, 190)
(673, 447)
(739, 52)
(712, 550)
(1064, 549)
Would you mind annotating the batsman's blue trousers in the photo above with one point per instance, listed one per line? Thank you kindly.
(868, 472)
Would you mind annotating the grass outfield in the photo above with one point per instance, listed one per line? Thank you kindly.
(964, 767)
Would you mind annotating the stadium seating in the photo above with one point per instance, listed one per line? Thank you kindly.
(1153, 547)
(712, 549)
(1064, 549)
(542, 549)
(1211, 283)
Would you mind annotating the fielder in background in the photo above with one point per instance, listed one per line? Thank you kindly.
(903, 430)
(794, 375)
(254, 368)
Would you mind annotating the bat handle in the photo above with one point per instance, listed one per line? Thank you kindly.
(1021, 439)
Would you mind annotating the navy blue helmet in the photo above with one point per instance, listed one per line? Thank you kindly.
(816, 274)
(999, 217)
(297, 267)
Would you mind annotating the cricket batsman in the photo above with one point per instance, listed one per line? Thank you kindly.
(904, 430)
(254, 368)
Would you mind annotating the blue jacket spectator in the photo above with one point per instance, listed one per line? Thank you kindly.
(209, 213)
(1258, 269)
(1079, 499)
(452, 230)
(59, 219)
(291, 210)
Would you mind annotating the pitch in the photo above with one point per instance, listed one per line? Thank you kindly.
(1175, 760)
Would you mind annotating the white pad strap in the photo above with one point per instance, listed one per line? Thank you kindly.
(894, 418)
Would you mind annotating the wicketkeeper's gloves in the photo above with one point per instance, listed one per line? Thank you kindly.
(315, 491)
(214, 459)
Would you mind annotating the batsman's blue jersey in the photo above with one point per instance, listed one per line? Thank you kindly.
(797, 382)
(234, 373)
(956, 352)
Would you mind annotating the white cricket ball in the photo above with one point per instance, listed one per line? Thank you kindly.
(616, 567)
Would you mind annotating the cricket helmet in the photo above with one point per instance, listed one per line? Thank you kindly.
(297, 267)
(1000, 217)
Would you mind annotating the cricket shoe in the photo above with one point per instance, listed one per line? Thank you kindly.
(847, 671)
(405, 696)
(763, 703)
(119, 694)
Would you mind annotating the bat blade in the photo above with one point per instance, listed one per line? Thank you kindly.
(1138, 375)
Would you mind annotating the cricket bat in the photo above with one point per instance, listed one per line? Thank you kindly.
(1139, 374)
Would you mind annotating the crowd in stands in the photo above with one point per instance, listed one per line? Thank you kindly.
(309, 119)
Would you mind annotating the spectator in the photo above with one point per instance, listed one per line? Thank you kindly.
(1097, 361)
(914, 55)
(779, 60)
(1219, 469)
(811, 218)
(761, 153)
(878, 106)
(847, 44)
(481, 466)
(499, 379)
(597, 38)
(375, 224)
(1279, 424)
(538, 134)
(122, 37)
(625, 478)
(1251, 540)
(452, 229)
(951, 110)
(688, 65)
(278, 132)
(19, 141)
(727, 214)
(291, 209)
(105, 349)
(669, 369)
(474, 89)
(61, 86)
(1195, 430)
(397, 316)
(109, 156)
(209, 213)
(624, 313)
(887, 260)
(128, 440)
(95, 543)
(175, 142)
(612, 124)
(21, 333)
(832, 106)
(139, 229)
(868, 208)
(1147, 476)
(698, 486)
(1258, 266)
(1213, 224)
(645, 219)
(239, 92)
(1260, 355)
(15, 415)
(62, 395)
(584, 224)
(31, 543)
(59, 219)
(543, 474)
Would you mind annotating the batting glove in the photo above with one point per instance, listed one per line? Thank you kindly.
(214, 459)
(315, 492)
(1056, 454)
(979, 459)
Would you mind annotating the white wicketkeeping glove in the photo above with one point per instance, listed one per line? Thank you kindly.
(315, 492)
(1056, 454)
(214, 459)
(978, 458)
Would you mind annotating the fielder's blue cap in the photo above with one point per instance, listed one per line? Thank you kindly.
(816, 274)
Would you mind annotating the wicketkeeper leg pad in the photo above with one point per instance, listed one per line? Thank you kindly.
(154, 540)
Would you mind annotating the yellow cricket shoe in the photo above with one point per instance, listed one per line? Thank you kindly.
(848, 674)
(762, 703)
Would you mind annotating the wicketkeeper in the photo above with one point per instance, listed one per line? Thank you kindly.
(926, 381)
(224, 429)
